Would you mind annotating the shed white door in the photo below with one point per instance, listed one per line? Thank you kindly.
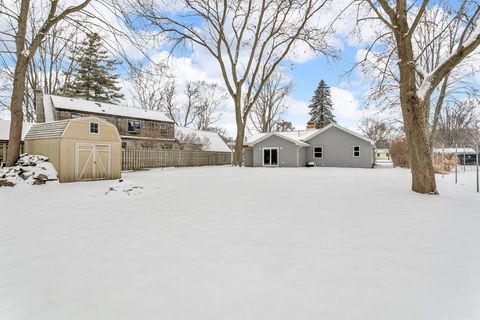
(92, 161)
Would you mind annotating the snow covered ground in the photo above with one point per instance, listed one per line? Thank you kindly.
(241, 243)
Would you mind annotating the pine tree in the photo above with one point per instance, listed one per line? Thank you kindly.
(321, 106)
(93, 77)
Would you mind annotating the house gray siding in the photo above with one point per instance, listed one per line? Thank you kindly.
(287, 151)
(248, 157)
(302, 156)
(338, 149)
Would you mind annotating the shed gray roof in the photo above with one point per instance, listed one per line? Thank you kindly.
(47, 130)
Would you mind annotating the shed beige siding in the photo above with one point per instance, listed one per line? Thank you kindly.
(63, 149)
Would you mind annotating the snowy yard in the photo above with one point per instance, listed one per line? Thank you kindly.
(242, 243)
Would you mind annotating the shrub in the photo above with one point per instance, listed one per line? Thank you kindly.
(399, 153)
(449, 163)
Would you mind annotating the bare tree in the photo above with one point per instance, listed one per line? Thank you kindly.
(283, 126)
(211, 99)
(457, 123)
(435, 37)
(152, 86)
(271, 105)
(401, 20)
(248, 39)
(382, 132)
(25, 48)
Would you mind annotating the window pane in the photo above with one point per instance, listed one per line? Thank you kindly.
(274, 157)
(93, 127)
(266, 156)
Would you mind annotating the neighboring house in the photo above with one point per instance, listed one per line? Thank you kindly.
(200, 140)
(4, 135)
(331, 146)
(382, 154)
(137, 127)
(467, 155)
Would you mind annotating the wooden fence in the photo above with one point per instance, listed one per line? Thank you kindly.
(3, 151)
(135, 159)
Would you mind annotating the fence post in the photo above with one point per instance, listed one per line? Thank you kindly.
(456, 163)
(476, 162)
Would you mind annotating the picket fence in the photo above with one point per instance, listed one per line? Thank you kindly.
(135, 159)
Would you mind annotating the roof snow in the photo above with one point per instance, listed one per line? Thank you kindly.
(76, 104)
(5, 129)
(210, 141)
(299, 137)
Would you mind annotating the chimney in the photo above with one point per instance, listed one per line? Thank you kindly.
(310, 125)
(39, 108)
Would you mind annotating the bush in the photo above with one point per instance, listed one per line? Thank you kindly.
(449, 163)
(399, 153)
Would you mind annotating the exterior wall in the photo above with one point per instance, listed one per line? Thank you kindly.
(248, 157)
(302, 156)
(287, 152)
(148, 128)
(45, 147)
(338, 150)
(68, 161)
(62, 153)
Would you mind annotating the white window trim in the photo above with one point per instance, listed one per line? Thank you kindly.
(278, 157)
(90, 128)
(359, 152)
(314, 152)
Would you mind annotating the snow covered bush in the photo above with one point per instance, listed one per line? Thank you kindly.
(29, 169)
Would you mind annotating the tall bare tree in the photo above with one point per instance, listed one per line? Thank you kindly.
(271, 105)
(400, 19)
(248, 39)
(435, 37)
(26, 46)
(211, 99)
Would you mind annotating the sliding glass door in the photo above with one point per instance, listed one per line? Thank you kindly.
(270, 157)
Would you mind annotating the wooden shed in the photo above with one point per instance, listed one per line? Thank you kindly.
(81, 149)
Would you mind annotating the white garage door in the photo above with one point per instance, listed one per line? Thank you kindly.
(92, 161)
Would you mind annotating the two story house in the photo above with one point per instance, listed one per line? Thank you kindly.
(137, 127)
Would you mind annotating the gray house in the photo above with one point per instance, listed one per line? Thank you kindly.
(331, 146)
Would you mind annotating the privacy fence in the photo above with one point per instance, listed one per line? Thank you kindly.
(135, 159)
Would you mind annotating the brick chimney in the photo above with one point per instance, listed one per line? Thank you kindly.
(310, 125)
(39, 108)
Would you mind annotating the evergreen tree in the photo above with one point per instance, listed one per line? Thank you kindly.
(93, 77)
(321, 106)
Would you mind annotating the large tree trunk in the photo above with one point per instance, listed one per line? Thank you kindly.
(414, 119)
(16, 110)
(423, 176)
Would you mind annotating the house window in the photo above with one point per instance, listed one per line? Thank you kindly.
(270, 157)
(93, 127)
(133, 126)
(318, 152)
(163, 129)
(356, 151)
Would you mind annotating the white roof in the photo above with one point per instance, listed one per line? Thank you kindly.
(300, 137)
(5, 129)
(210, 141)
(452, 150)
(99, 108)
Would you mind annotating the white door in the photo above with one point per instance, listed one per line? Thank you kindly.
(92, 161)
(270, 157)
